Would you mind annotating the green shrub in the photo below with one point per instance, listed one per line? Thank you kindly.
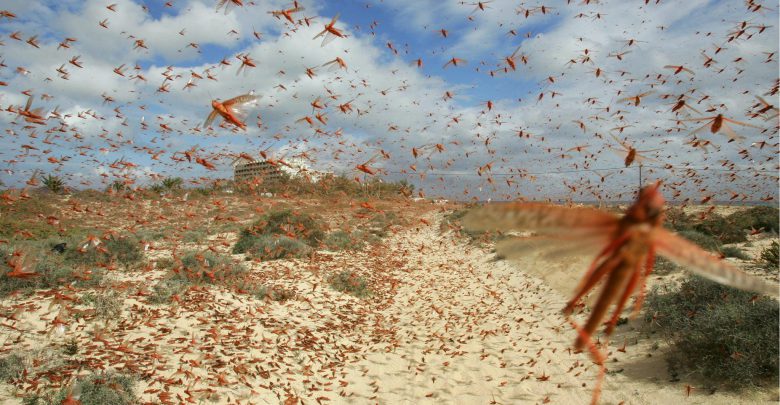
(351, 283)
(704, 241)
(294, 231)
(51, 269)
(277, 294)
(664, 266)
(758, 217)
(726, 335)
(164, 290)
(172, 183)
(95, 389)
(207, 268)
(107, 388)
(724, 229)
(107, 305)
(11, 366)
(342, 240)
(71, 347)
(125, 250)
(678, 220)
(735, 252)
(271, 247)
(194, 236)
(290, 223)
(769, 256)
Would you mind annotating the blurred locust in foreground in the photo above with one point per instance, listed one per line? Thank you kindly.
(626, 259)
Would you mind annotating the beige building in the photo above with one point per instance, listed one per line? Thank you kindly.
(244, 170)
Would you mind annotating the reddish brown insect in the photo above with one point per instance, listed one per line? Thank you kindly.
(287, 13)
(632, 153)
(231, 110)
(718, 123)
(624, 263)
(330, 32)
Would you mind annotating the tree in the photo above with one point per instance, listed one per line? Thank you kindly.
(55, 184)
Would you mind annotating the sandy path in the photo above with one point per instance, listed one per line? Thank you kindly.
(472, 330)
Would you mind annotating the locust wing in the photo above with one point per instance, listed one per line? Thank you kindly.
(701, 262)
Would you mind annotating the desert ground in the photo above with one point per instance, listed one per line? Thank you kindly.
(446, 320)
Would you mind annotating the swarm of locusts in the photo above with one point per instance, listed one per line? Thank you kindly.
(625, 260)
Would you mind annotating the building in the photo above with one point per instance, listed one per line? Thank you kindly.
(245, 170)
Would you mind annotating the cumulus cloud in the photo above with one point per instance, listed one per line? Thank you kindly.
(578, 63)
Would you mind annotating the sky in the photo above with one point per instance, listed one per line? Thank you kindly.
(541, 104)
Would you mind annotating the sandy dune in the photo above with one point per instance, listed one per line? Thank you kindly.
(447, 323)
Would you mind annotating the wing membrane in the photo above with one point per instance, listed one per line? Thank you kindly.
(543, 218)
(688, 254)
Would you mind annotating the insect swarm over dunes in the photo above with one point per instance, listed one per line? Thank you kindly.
(243, 201)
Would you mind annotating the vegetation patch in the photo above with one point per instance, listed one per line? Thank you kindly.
(703, 240)
(95, 389)
(197, 268)
(350, 283)
(281, 234)
(92, 251)
(769, 257)
(735, 252)
(725, 335)
(51, 270)
(765, 218)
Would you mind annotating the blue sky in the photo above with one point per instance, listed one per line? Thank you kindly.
(541, 138)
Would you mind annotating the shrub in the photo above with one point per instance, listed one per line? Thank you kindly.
(274, 293)
(163, 291)
(123, 249)
(758, 217)
(172, 183)
(95, 389)
(271, 247)
(726, 335)
(664, 266)
(769, 256)
(71, 347)
(207, 268)
(342, 240)
(351, 283)
(107, 388)
(289, 225)
(107, 305)
(52, 272)
(704, 241)
(11, 366)
(678, 220)
(193, 236)
(724, 229)
(735, 252)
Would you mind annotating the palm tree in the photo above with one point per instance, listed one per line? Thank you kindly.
(172, 183)
(55, 184)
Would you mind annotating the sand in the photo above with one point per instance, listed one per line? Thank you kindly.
(447, 324)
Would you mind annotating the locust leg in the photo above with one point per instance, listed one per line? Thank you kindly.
(597, 270)
(643, 289)
(598, 357)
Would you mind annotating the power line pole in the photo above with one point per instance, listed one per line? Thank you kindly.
(640, 176)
